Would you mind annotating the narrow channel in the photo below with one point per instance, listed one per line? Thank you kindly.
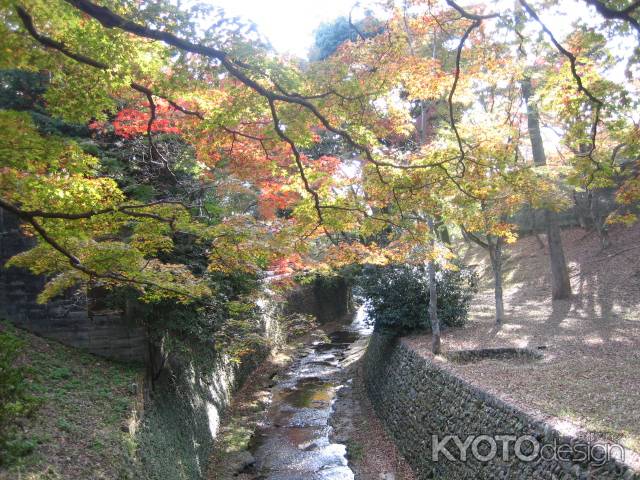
(295, 441)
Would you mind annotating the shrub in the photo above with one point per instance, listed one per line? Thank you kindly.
(397, 296)
(15, 401)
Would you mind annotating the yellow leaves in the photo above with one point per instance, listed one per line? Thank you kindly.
(423, 78)
(355, 253)
(59, 284)
(505, 230)
(629, 192)
(242, 244)
(53, 175)
(626, 219)
(169, 280)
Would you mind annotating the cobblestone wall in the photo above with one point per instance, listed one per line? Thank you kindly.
(417, 399)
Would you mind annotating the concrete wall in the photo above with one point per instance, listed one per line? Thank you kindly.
(71, 319)
(192, 391)
(326, 299)
(417, 399)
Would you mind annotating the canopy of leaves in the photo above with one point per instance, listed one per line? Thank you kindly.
(218, 138)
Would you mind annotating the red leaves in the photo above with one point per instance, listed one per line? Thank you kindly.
(273, 198)
(131, 122)
(288, 265)
(326, 164)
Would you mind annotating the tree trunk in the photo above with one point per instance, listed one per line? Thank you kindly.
(560, 284)
(441, 230)
(495, 253)
(533, 124)
(433, 297)
(599, 223)
(444, 235)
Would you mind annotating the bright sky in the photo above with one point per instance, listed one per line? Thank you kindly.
(288, 24)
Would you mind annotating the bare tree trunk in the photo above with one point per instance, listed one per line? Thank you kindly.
(433, 297)
(495, 253)
(533, 124)
(560, 284)
(580, 211)
(598, 222)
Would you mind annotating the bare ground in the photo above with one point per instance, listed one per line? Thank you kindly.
(590, 376)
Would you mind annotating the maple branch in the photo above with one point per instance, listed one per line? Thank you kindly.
(297, 158)
(474, 238)
(153, 149)
(147, 91)
(365, 214)
(572, 58)
(111, 19)
(573, 61)
(126, 209)
(470, 16)
(27, 21)
(75, 261)
(613, 14)
(353, 26)
(467, 32)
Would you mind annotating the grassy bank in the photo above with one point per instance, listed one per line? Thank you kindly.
(85, 423)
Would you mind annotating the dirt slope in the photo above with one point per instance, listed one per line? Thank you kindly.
(590, 376)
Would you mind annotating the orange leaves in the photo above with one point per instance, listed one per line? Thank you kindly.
(424, 78)
(351, 253)
(133, 121)
(288, 265)
(326, 164)
(272, 200)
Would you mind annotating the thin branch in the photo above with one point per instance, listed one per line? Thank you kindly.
(572, 58)
(353, 26)
(470, 16)
(573, 61)
(86, 215)
(613, 14)
(48, 42)
(110, 19)
(297, 158)
(27, 21)
(473, 26)
(153, 149)
(474, 238)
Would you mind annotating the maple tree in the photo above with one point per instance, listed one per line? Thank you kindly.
(257, 124)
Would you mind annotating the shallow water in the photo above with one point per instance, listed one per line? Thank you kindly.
(295, 444)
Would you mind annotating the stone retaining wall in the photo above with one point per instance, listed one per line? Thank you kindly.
(70, 319)
(417, 399)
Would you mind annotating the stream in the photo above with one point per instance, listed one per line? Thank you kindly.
(295, 441)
